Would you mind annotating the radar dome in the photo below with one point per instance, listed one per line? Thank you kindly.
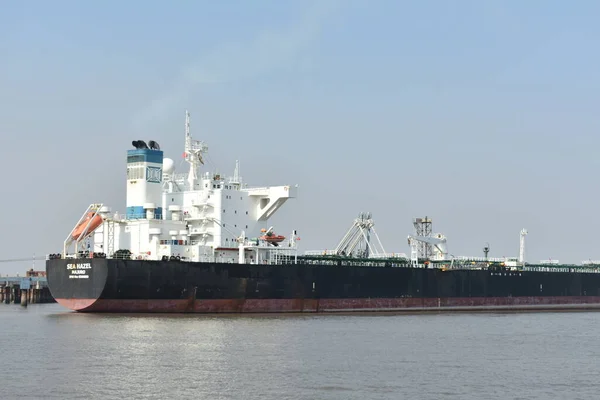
(168, 165)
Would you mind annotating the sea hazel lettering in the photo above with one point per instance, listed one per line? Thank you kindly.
(79, 266)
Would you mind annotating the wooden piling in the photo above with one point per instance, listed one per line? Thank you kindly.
(24, 293)
(17, 294)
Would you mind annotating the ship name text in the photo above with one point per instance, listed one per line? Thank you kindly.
(78, 271)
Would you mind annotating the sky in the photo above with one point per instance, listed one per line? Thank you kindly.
(481, 115)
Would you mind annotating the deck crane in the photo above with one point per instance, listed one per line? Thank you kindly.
(357, 241)
(438, 241)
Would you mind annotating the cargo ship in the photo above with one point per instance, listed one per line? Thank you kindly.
(200, 242)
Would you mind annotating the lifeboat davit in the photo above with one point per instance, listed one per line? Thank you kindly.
(94, 220)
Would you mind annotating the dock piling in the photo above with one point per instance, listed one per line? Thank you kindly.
(24, 297)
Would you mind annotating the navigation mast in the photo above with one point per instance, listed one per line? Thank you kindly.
(522, 246)
(193, 153)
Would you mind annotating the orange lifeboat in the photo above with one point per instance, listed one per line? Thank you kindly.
(272, 238)
(94, 221)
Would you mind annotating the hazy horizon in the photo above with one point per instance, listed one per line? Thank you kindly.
(476, 114)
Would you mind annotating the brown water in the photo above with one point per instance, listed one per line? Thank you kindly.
(50, 353)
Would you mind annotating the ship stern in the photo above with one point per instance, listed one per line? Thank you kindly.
(77, 284)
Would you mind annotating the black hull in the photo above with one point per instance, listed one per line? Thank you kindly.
(110, 285)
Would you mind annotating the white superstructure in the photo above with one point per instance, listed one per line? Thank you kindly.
(198, 215)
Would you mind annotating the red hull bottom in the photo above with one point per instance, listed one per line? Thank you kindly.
(333, 305)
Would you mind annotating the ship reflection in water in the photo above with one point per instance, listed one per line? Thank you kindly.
(69, 355)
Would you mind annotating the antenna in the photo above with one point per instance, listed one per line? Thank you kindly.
(486, 250)
(189, 155)
(187, 123)
(236, 173)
